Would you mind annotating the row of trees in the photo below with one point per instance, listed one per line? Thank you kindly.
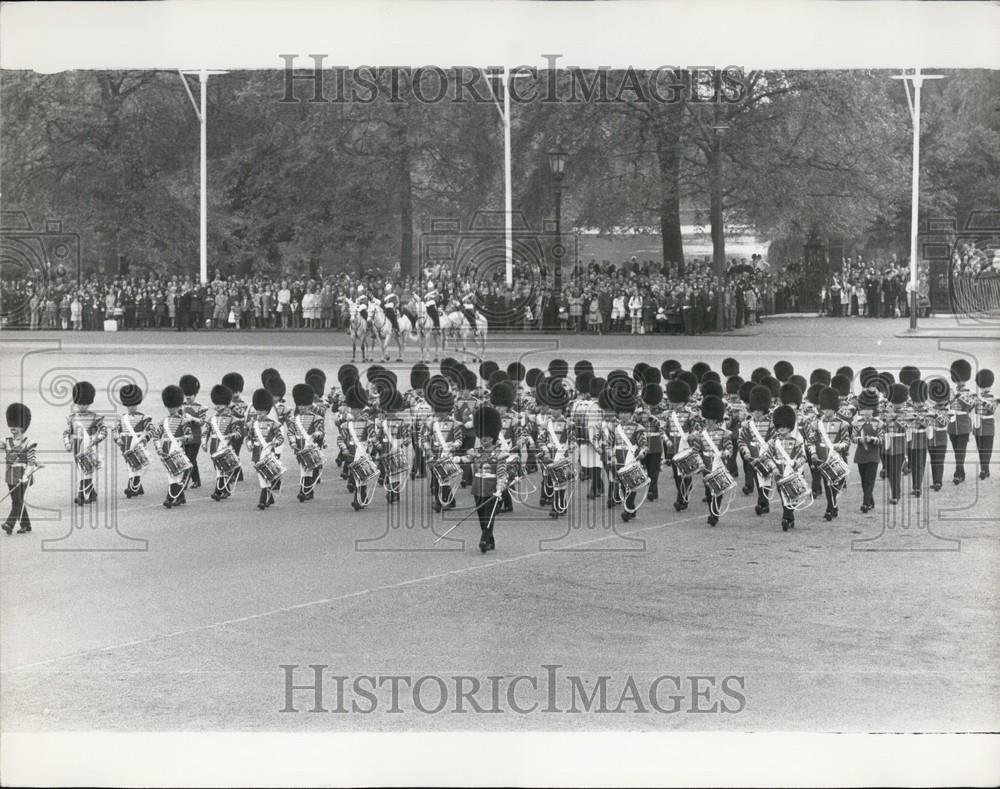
(115, 155)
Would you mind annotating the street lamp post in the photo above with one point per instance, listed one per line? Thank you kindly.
(557, 166)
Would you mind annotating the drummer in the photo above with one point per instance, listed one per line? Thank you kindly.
(84, 431)
(627, 440)
(677, 424)
(220, 430)
(714, 443)
(170, 438)
(306, 428)
(512, 437)
(557, 443)
(790, 456)
(357, 433)
(393, 441)
(828, 434)
(753, 445)
(131, 434)
(240, 409)
(441, 438)
(263, 437)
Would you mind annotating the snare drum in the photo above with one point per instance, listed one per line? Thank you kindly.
(834, 470)
(446, 471)
(397, 463)
(515, 469)
(795, 491)
(765, 464)
(137, 458)
(226, 460)
(719, 480)
(89, 461)
(632, 477)
(309, 458)
(561, 472)
(270, 468)
(364, 470)
(176, 463)
(688, 463)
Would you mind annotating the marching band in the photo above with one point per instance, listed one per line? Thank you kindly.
(491, 431)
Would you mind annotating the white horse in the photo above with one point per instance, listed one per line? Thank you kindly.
(455, 324)
(380, 328)
(426, 331)
(358, 329)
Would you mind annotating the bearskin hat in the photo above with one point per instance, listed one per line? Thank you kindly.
(552, 392)
(618, 373)
(516, 372)
(783, 416)
(316, 382)
(710, 375)
(711, 388)
(558, 368)
(83, 393)
(469, 379)
(583, 382)
(799, 381)
(678, 391)
(652, 375)
(899, 394)
(733, 384)
(276, 386)
(687, 377)
(813, 392)
(774, 385)
(868, 400)
(984, 379)
(652, 394)
(961, 371)
(790, 394)
(533, 376)
(745, 391)
(302, 394)
(223, 395)
(130, 395)
(829, 399)
(385, 393)
(437, 392)
(314, 371)
(760, 398)
(347, 371)
(846, 371)
(447, 363)
(919, 391)
(382, 378)
(486, 421)
(783, 370)
(356, 396)
(820, 376)
(887, 378)
(842, 384)
(939, 390)
(172, 396)
(730, 367)
(638, 370)
(486, 369)
(396, 402)
(267, 372)
(604, 400)
(867, 376)
(596, 386)
(502, 395)
(670, 367)
(496, 377)
(759, 374)
(234, 381)
(909, 374)
(713, 407)
(419, 375)
(18, 415)
(262, 400)
(699, 369)
(583, 366)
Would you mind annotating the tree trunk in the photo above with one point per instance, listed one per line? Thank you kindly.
(405, 195)
(715, 211)
(668, 151)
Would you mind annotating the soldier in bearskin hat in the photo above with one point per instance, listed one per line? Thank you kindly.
(221, 428)
(171, 438)
(754, 448)
(894, 426)
(513, 436)
(130, 433)
(829, 433)
(626, 440)
(789, 452)
(316, 380)
(678, 423)
(962, 405)
(714, 443)
(264, 436)
(441, 439)
(939, 396)
(419, 413)
(650, 417)
(489, 472)
(196, 414)
(241, 411)
(867, 434)
(84, 431)
(557, 445)
(984, 420)
(356, 441)
(920, 430)
(21, 463)
(392, 443)
(306, 431)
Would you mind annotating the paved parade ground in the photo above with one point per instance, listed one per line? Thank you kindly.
(127, 616)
